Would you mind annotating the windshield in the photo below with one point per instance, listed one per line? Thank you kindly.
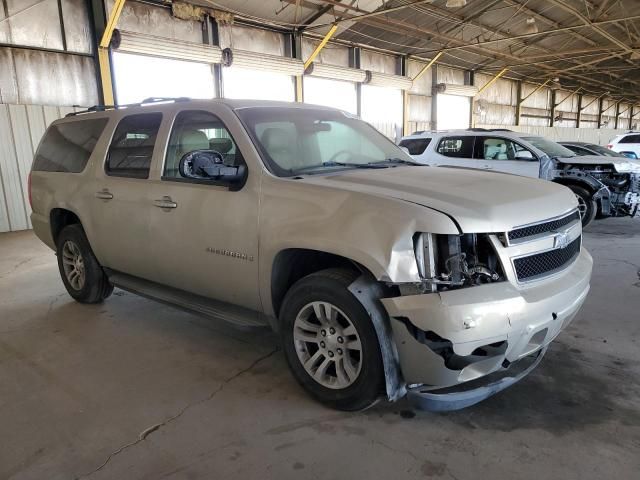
(552, 149)
(310, 141)
(604, 151)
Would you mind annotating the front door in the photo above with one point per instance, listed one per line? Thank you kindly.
(205, 233)
(119, 204)
(505, 155)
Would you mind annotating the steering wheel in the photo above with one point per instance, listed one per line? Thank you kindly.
(349, 154)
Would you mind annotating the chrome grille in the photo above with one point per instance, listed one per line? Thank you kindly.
(541, 228)
(546, 263)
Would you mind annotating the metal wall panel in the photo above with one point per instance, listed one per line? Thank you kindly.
(601, 136)
(14, 205)
(142, 18)
(501, 92)
(504, 115)
(423, 85)
(46, 78)
(8, 84)
(331, 54)
(419, 108)
(540, 99)
(377, 62)
(76, 26)
(590, 105)
(256, 40)
(35, 23)
(21, 128)
(568, 101)
(454, 76)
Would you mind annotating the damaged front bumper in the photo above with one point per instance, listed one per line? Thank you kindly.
(449, 338)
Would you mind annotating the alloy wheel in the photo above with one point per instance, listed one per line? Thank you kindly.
(328, 345)
(73, 264)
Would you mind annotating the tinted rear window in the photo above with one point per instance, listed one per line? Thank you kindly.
(67, 147)
(630, 139)
(132, 145)
(460, 147)
(416, 146)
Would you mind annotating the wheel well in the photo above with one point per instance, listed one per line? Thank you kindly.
(292, 264)
(567, 182)
(59, 219)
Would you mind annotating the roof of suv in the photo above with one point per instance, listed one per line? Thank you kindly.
(234, 104)
(469, 133)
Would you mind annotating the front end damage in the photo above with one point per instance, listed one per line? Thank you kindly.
(480, 322)
(616, 189)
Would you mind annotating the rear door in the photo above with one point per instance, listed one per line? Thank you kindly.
(456, 151)
(505, 155)
(120, 204)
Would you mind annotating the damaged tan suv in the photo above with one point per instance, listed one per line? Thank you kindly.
(383, 277)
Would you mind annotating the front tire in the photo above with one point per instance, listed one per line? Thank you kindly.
(81, 273)
(330, 343)
(586, 204)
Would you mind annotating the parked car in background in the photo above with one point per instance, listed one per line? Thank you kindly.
(584, 148)
(383, 277)
(626, 143)
(605, 186)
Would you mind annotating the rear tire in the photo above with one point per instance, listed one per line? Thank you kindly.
(330, 342)
(586, 204)
(81, 273)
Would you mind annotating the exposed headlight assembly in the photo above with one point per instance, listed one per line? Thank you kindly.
(455, 261)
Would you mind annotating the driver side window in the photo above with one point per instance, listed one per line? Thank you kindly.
(198, 130)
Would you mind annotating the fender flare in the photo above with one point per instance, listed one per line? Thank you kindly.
(368, 292)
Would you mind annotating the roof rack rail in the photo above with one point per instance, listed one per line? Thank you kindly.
(478, 129)
(146, 101)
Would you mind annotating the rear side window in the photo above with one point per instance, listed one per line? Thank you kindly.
(66, 147)
(630, 139)
(416, 146)
(132, 145)
(460, 147)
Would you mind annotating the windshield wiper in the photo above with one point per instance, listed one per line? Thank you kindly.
(340, 164)
(400, 160)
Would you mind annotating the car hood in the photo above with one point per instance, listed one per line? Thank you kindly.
(478, 201)
(622, 165)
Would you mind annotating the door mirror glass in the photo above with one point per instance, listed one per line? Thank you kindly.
(209, 165)
(630, 155)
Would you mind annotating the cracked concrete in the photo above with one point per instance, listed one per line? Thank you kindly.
(133, 389)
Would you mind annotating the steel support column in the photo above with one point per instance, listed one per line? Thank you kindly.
(104, 57)
(600, 102)
(354, 62)
(518, 102)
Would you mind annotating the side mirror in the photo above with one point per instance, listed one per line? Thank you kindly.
(525, 155)
(209, 165)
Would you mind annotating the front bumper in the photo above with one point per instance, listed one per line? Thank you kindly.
(449, 338)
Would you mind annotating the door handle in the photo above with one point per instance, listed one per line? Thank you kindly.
(165, 202)
(488, 167)
(104, 194)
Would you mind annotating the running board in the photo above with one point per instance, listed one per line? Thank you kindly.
(233, 314)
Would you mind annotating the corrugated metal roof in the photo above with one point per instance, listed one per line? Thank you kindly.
(585, 43)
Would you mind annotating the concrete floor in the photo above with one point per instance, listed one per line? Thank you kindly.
(133, 389)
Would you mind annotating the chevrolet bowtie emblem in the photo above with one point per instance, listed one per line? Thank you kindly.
(560, 240)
